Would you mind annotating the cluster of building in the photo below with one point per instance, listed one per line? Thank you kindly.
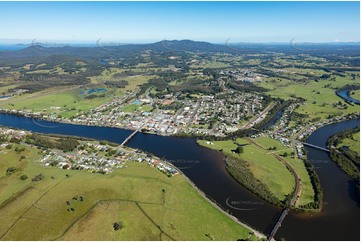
(172, 115)
(93, 157)
(203, 115)
(282, 128)
(163, 166)
(12, 134)
(307, 131)
(243, 75)
(92, 163)
(282, 132)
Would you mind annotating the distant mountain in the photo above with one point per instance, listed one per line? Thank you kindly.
(13, 47)
(170, 46)
(190, 45)
(116, 51)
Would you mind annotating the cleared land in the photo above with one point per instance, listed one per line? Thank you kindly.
(353, 143)
(320, 96)
(70, 101)
(64, 103)
(307, 192)
(76, 205)
(355, 94)
(263, 166)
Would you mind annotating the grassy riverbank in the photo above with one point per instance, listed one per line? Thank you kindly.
(355, 94)
(352, 142)
(273, 179)
(345, 152)
(150, 205)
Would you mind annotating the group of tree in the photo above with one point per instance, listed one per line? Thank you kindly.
(347, 159)
(65, 144)
(117, 84)
(316, 185)
(239, 170)
(239, 150)
(38, 177)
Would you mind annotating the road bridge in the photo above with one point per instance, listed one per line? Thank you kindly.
(130, 137)
(315, 146)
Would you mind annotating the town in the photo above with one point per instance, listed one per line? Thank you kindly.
(90, 156)
(173, 114)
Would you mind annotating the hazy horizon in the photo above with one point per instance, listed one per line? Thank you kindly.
(215, 22)
(59, 43)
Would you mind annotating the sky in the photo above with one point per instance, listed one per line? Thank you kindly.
(142, 22)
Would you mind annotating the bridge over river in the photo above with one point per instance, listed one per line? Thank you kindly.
(315, 146)
(129, 137)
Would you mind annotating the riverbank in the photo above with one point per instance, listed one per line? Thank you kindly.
(344, 93)
(39, 116)
(275, 180)
(217, 206)
(246, 168)
(280, 201)
(166, 200)
(348, 160)
(210, 200)
(206, 169)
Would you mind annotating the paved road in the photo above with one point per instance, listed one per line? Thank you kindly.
(264, 112)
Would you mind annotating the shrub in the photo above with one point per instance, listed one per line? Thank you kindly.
(10, 170)
(38, 177)
(23, 177)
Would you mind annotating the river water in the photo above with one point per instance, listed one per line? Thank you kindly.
(345, 94)
(206, 168)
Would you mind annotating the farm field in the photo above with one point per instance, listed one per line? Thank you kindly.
(72, 100)
(210, 64)
(65, 103)
(355, 94)
(78, 205)
(319, 97)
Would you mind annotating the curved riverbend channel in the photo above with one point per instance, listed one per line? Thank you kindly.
(345, 94)
(339, 219)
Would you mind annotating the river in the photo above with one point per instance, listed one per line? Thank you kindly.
(345, 94)
(206, 168)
